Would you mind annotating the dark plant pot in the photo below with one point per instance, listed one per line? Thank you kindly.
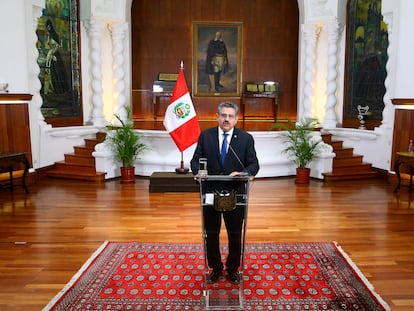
(127, 174)
(302, 175)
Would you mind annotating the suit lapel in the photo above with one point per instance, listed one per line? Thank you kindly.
(217, 144)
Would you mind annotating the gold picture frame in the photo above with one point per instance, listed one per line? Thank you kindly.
(217, 59)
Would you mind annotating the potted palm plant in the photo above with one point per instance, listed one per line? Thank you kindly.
(301, 145)
(126, 144)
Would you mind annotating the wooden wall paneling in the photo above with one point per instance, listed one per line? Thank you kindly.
(4, 136)
(162, 38)
(18, 128)
(206, 107)
(160, 104)
(14, 126)
(259, 107)
(142, 111)
(286, 110)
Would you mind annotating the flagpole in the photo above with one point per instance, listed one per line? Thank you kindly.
(182, 169)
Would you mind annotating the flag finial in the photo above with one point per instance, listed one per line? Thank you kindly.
(182, 65)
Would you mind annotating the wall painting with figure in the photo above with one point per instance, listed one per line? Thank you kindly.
(59, 59)
(367, 43)
(217, 59)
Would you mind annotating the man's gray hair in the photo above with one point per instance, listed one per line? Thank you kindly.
(228, 105)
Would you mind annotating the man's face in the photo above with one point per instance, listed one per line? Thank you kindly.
(227, 118)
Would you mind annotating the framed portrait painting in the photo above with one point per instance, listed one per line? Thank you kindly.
(217, 59)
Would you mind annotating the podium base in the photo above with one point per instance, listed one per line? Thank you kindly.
(222, 295)
(222, 299)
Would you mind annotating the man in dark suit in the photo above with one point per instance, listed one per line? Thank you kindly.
(216, 61)
(239, 156)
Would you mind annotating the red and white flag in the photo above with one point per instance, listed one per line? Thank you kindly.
(180, 117)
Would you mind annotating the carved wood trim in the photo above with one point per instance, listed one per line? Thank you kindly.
(15, 97)
(403, 101)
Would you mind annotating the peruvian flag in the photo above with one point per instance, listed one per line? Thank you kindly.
(180, 117)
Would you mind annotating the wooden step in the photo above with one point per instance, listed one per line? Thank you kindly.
(336, 145)
(347, 161)
(87, 160)
(80, 164)
(75, 171)
(100, 137)
(74, 167)
(79, 175)
(92, 142)
(326, 138)
(350, 176)
(363, 167)
(346, 165)
(83, 150)
(344, 152)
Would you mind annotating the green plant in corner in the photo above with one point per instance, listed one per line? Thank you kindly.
(301, 144)
(125, 141)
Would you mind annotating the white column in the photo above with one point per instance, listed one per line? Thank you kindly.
(36, 118)
(94, 29)
(388, 112)
(34, 82)
(118, 32)
(311, 32)
(330, 120)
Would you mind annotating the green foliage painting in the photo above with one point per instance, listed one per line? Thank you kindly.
(59, 61)
(367, 43)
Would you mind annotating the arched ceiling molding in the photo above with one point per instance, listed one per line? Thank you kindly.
(108, 10)
(322, 11)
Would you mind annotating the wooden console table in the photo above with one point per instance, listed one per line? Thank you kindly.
(404, 158)
(157, 98)
(9, 159)
(255, 99)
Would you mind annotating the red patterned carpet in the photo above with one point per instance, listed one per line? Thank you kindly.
(277, 276)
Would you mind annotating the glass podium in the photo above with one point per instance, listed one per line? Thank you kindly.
(223, 294)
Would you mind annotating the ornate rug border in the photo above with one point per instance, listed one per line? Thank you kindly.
(361, 277)
(369, 287)
(77, 275)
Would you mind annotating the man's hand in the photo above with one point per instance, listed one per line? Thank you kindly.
(241, 173)
(234, 173)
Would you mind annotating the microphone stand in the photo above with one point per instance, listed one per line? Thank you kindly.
(182, 169)
(245, 172)
(237, 157)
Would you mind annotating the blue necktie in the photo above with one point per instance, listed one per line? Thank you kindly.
(224, 148)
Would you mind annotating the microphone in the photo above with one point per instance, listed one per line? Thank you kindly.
(244, 173)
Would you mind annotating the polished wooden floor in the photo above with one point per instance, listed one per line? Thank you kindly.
(47, 235)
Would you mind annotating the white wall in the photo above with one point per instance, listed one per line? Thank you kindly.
(13, 52)
(404, 85)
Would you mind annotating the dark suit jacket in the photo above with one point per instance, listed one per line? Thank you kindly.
(241, 143)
